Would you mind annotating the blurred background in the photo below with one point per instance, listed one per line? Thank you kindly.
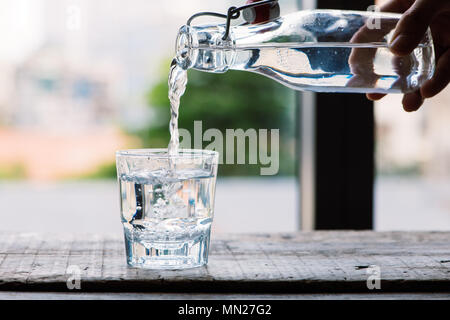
(413, 164)
(81, 79)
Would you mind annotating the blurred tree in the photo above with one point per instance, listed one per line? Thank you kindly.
(227, 101)
(12, 172)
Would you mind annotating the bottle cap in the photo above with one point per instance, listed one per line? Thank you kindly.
(262, 13)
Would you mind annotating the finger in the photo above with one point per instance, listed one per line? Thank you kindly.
(412, 101)
(397, 6)
(440, 79)
(375, 96)
(413, 25)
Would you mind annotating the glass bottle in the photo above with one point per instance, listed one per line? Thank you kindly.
(316, 50)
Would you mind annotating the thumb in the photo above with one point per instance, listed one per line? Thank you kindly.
(413, 24)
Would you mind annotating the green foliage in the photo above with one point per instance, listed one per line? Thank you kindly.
(227, 101)
(104, 171)
(14, 172)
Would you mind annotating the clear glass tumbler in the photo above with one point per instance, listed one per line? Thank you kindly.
(167, 204)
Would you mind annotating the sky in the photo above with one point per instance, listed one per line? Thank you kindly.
(20, 28)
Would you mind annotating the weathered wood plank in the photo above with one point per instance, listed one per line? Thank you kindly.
(288, 263)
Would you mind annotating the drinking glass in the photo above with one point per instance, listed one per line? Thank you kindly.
(167, 205)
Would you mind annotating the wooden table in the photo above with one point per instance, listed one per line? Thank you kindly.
(301, 265)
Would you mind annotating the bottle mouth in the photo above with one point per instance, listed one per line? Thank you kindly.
(183, 47)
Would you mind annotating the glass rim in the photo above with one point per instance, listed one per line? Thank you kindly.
(161, 153)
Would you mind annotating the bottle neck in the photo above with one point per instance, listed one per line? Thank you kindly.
(203, 48)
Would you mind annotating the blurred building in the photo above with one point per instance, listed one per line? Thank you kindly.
(437, 135)
(6, 93)
(414, 143)
(51, 91)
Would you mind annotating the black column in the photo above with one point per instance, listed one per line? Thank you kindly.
(344, 153)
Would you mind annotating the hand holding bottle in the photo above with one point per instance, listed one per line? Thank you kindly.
(418, 16)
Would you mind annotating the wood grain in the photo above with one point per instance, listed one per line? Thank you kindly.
(325, 262)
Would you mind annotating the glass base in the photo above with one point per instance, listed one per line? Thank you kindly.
(167, 255)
